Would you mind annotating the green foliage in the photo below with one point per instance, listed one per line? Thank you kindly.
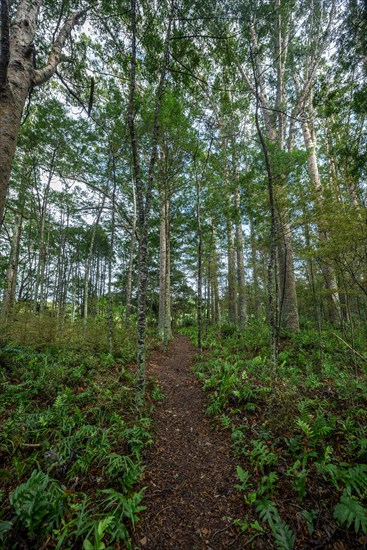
(243, 476)
(38, 503)
(123, 507)
(63, 423)
(349, 511)
(283, 535)
(261, 455)
(122, 468)
(299, 438)
(98, 535)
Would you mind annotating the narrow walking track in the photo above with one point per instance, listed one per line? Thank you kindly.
(190, 473)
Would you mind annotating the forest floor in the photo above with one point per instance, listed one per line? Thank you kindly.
(190, 472)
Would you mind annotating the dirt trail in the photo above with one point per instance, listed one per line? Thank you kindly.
(190, 472)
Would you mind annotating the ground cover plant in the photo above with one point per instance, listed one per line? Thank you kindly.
(169, 164)
(299, 432)
(71, 446)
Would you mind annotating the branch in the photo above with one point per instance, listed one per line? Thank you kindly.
(44, 74)
(189, 36)
(5, 44)
(350, 347)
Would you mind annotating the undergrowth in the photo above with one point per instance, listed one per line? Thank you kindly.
(71, 447)
(299, 432)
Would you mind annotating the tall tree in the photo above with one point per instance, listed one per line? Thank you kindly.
(144, 192)
(18, 74)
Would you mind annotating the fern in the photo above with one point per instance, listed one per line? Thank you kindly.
(304, 408)
(267, 484)
(284, 537)
(266, 510)
(261, 455)
(306, 428)
(350, 511)
(243, 477)
(355, 478)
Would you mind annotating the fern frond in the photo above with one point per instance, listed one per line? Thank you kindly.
(306, 428)
(284, 537)
(350, 511)
(267, 510)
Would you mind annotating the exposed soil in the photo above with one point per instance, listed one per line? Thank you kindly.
(190, 473)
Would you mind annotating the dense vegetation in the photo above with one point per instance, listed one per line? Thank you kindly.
(186, 166)
(299, 432)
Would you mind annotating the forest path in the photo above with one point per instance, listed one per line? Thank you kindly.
(190, 472)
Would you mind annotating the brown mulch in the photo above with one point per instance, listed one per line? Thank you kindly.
(190, 472)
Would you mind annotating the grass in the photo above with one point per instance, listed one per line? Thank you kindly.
(299, 432)
(72, 442)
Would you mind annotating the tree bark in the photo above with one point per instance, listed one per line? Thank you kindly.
(18, 76)
(162, 263)
(110, 262)
(255, 270)
(131, 260)
(88, 266)
(167, 313)
(214, 276)
(200, 267)
(326, 266)
(39, 287)
(144, 192)
(241, 281)
(11, 274)
(231, 248)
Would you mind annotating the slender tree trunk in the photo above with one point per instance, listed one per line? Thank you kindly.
(255, 269)
(167, 313)
(39, 287)
(162, 263)
(272, 285)
(131, 260)
(241, 282)
(231, 247)
(144, 195)
(214, 276)
(200, 266)
(88, 266)
(110, 262)
(74, 296)
(232, 290)
(275, 133)
(11, 274)
(326, 266)
(288, 293)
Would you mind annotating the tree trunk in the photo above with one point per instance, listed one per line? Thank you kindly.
(167, 313)
(110, 262)
(288, 293)
(131, 261)
(214, 276)
(162, 263)
(255, 269)
(200, 267)
(11, 274)
(144, 193)
(88, 266)
(231, 248)
(18, 75)
(241, 282)
(39, 288)
(326, 266)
